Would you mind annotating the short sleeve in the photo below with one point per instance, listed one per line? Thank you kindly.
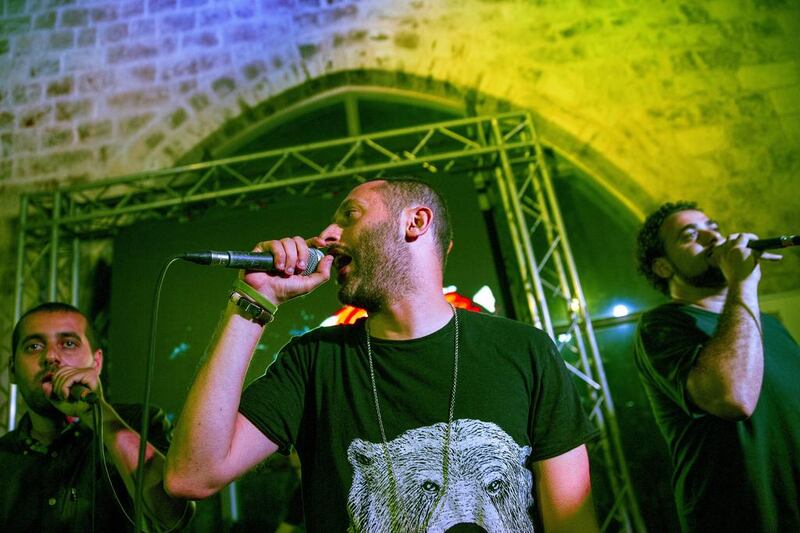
(557, 423)
(667, 344)
(274, 402)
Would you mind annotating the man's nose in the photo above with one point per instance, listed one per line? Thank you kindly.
(52, 357)
(709, 237)
(331, 234)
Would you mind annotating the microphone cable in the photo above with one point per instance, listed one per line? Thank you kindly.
(138, 498)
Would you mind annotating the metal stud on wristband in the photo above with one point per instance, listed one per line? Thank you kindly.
(255, 312)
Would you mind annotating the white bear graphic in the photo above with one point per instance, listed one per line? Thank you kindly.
(488, 485)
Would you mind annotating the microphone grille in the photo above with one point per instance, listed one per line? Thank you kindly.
(315, 255)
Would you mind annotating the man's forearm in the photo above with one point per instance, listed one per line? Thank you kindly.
(205, 429)
(726, 379)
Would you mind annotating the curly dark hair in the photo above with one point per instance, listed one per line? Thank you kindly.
(649, 244)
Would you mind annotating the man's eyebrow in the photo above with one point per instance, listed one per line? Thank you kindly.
(32, 336)
(42, 337)
(346, 203)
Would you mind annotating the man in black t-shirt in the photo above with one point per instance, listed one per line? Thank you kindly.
(723, 379)
(52, 478)
(418, 418)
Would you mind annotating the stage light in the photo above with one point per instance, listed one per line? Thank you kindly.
(485, 298)
(620, 310)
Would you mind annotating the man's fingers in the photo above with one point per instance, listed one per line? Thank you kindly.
(769, 256)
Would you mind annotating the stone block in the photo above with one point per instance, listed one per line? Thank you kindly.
(177, 23)
(131, 52)
(154, 139)
(213, 16)
(62, 87)
(28, 93)
(89, 131)
(130, 125)
(55, 137)
(45, 21)
(769, 76)
(103, 14)
(144, 73)
(24, 141)
(786, 100)
(192, 3)
(223, 86)
(187, 86)
(206, 39)
(6, 120)
(67, 111)
(142, 28)
(701, 140)
(74, 18)
(36, 116)
(49, 66)
(177, 117)
(61, 40)
(158, 6)
(139, 99)
(15, 25)
(307, 50)
(134, 8)
(254, 69)
(243, 9)
(4, 46)
(95, 82)
(61, 163)
(196, 65)
(87, 37)
(114, 33)
(199, 101)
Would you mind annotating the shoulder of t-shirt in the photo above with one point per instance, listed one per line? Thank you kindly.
(500, 327)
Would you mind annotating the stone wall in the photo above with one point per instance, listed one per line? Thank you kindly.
(656, 100)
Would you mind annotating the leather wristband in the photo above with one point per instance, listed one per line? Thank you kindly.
(254, 296)
(252, 310)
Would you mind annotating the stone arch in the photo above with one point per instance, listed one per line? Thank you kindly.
(427, 92)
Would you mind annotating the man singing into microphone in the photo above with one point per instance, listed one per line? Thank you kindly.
(723, 379)
(418, 418)
(47, 479)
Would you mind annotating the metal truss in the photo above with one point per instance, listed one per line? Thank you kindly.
(502, 153)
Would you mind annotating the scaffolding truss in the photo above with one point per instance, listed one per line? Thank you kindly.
(503, 156)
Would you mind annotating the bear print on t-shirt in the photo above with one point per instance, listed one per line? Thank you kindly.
(488, 484)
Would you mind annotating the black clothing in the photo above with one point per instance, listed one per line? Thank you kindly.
(728, 476)
(49, 488)
(515, 404)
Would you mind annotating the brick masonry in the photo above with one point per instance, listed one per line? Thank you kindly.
(692, 99)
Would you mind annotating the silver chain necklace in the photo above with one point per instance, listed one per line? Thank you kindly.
(446, 445)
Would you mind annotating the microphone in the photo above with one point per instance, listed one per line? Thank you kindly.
(773, 243)
(262, 261)
(81, 393)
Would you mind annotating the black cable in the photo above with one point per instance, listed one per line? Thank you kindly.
(96, 441)
(138, 500)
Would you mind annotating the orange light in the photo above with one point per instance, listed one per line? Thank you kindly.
(349, 314)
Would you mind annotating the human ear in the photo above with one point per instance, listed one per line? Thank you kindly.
(662, 267)
(418, 222)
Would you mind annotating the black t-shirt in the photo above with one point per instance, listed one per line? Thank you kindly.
(515, 404)
(728, 476)
(50, 488)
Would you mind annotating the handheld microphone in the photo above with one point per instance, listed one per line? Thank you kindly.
(262, 261)
(773, 243)
(81, 393)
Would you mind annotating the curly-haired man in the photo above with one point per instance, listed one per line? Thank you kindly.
(723, 379)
